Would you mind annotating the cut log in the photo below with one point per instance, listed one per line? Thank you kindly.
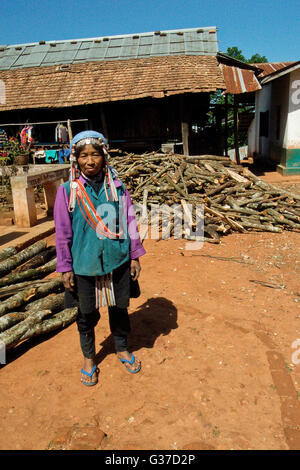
(8, 291)
(56, 321)
(10, 319)
(23, 297)
(52, 302)
(11, 263)
(13, 335)
(17, 300)
(32, 274)
(38, 260)
(7, 252)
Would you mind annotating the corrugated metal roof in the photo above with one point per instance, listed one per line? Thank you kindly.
(193, 41)
(239, 80)
(271, 67)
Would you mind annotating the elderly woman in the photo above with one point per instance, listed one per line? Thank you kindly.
(98, 248)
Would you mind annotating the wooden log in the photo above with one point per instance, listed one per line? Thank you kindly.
(13, 335)
(38, 260)
(219, 188)
(10, 319)
(260, 227)
(19, 299)
(9, 264)
(226, 219)
(58, 320)
(282, 220)
(266, 186)
(176, 187)
(51, 302)
(193, 158)
(36, 273)
(8, 291)
(7, 252)
(211, 229)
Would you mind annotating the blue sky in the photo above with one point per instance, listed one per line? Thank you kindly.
(268, 27)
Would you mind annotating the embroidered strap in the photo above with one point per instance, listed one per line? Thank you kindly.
(89, 212)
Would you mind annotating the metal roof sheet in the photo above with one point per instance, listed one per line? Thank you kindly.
(271, 67)
(239, 80)
(195, 41)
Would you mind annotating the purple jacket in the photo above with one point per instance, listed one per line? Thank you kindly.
(64, 232)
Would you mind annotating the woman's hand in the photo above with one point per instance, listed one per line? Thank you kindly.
(68, 280)
(135, 269)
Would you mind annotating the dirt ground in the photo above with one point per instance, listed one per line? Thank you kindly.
(220, 360)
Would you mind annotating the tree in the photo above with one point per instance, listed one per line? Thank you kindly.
(236, 53)
(257, 59)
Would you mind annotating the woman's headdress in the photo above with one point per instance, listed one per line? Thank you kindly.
(86, 138)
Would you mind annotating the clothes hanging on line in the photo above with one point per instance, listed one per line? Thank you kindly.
(3, 137)
(51, 156)
(26, 135)
(63, 155)
(40, 154)
(61, 134)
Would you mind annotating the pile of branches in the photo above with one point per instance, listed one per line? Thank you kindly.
(233, 198)
(30, 305)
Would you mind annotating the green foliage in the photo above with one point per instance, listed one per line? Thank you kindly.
(236, 53)
(257, 59)
(11, 151)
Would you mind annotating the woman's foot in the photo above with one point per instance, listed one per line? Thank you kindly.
(87, 377)
(132, 366)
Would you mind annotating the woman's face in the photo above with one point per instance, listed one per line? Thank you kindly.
(90, 161)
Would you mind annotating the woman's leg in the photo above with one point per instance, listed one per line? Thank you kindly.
(86, 320)
(120, 328)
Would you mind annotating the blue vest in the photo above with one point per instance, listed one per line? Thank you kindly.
(92, 254)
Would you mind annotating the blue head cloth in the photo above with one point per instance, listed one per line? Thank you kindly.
(87, 135)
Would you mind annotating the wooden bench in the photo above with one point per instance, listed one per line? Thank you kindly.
(23, 193)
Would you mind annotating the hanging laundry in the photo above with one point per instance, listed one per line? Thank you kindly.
(40, 154)
(61, 134)
(3, 137)
(63, 155)
(51, 156)
(26, 135)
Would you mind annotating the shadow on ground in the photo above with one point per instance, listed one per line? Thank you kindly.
(156, 317)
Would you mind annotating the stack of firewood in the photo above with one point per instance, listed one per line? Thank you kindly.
(233, 198)
(30, 304)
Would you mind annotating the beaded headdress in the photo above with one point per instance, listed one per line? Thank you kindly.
(86, 138)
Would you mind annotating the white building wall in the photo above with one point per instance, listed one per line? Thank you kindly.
(293, 127)
(262, 104)
(252, 138)
(279, 98)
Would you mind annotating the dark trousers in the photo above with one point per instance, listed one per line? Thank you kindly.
(88, 316)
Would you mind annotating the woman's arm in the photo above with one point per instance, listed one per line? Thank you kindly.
(137, 248)
(63, 232)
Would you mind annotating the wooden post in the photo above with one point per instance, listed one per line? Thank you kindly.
(69, 130)
(184, 126)
(103, 121)
(226, 126)
(236, 133)
(185, 137)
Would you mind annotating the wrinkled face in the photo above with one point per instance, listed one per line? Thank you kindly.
(90, 160)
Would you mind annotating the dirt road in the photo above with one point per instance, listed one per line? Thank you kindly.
(219, 370)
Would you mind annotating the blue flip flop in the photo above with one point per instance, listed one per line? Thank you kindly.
(130, 362)
(90, 384)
